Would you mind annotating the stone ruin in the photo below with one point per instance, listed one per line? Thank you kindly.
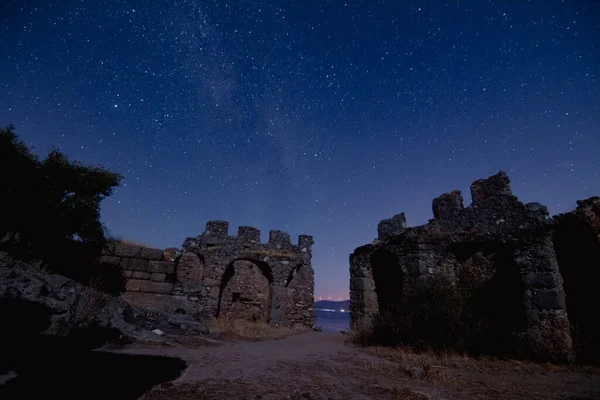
(577, 244)
(499, 244)
(217, 275)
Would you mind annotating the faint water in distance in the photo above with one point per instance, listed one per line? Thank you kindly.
(332, 321)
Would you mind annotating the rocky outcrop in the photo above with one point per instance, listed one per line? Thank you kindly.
(498, 252)
(217, 275)
(65, 307)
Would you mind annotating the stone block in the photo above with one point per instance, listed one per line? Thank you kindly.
(141, 275)
(161, 302)
(305, 241)
(561, 323)
(127, 273)
(390, 227)
(157, 277)
(362, 284)
(151, 254)
(156, 287)
(248, 234)
(137, 265)
(550, 299)
(133, 285)
(161, 267)
(549, 344)
(211, 282)
(112, 260)
(419, 266)
(541, 280)
(124, 263)
(533, 316)
(492, 187)
(215, 232)
(191, 287)
(214, 293)
(189, 272)
(277, 316)
(363, 300)
(217, 228)
(448, 205)
(125, 250)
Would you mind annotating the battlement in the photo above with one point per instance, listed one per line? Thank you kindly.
(488, 195)
(494, 186)
(305, 241)
(447, 205)
(391, 226)
(470, 246)
(217, 232)
(248, 234)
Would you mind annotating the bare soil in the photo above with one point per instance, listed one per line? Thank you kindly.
(316, 365)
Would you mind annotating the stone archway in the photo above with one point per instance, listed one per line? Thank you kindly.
(389, 282)
(245, 291)
(491, 288)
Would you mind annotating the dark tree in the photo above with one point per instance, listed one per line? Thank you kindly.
(49, 205)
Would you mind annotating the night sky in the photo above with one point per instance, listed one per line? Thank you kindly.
(316, 117)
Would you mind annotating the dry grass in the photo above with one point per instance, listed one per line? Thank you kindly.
(87, 303)
(408, 358)
(361, 336)
(129, 242)
(239, 328)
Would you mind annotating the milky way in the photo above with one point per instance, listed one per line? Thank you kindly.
(317, 117)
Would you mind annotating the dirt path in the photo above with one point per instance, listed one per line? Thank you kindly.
(316, 365)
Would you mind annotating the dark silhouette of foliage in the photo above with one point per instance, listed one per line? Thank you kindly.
(50, 206)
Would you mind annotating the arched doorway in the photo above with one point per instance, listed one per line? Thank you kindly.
(245, 290)
(389, 281)
(492, 312)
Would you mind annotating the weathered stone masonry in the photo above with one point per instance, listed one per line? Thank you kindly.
(218, 275)
(497, 238)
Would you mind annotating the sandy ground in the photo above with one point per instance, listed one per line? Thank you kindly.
(316, 365)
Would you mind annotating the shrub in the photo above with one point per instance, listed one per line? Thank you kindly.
(51, 206)
(427, 317)
(437, 315)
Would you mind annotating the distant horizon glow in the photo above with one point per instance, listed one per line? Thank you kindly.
(335, 301)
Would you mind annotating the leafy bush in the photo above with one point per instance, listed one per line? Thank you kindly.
(51, 206)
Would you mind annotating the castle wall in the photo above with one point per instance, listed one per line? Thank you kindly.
(218, 275)
(576, 240)
(496, 244)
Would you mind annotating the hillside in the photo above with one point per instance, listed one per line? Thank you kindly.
(332, 305)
